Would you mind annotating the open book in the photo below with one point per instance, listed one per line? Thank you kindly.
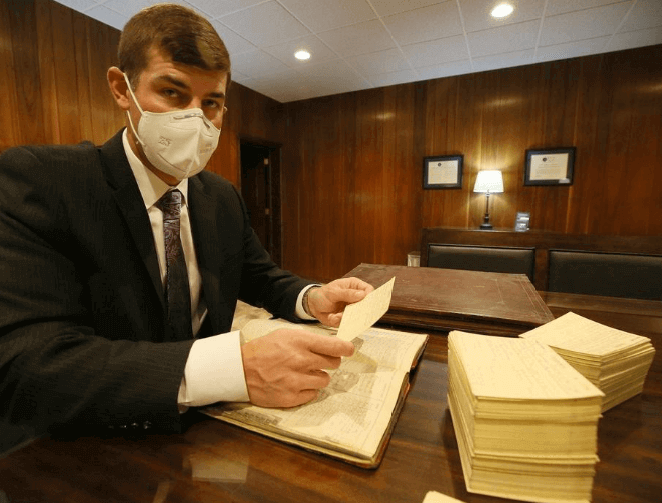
(353, 417)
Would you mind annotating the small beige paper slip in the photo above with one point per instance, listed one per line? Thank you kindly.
(363, 314)
(435, 497)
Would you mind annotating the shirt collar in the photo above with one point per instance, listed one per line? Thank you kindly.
(151, 186)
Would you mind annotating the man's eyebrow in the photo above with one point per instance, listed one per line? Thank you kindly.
(182, 85)
(172, 80)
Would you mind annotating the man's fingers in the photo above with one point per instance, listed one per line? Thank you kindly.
(317, 379)
(326, 362)
(328, 346)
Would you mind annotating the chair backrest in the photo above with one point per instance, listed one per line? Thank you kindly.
(608, 274)
(504, 259)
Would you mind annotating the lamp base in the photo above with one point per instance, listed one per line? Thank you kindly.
(486, 226)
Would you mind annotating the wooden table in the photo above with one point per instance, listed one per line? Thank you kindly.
(215, 462)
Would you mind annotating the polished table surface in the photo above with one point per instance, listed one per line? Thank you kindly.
(214, 462)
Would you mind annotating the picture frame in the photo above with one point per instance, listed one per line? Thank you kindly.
(549, 166)
(443, 172)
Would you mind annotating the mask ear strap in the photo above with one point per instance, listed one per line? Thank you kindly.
(133, 96)
(135, 133)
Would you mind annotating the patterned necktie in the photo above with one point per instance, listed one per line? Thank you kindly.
(177, 294)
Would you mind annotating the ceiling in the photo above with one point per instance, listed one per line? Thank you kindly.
(361, 44)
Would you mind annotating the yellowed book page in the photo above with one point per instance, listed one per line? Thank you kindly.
(244, 313)
(435, 497)
(517, 369)
(350, 415)
(575, 333)
(363, 314)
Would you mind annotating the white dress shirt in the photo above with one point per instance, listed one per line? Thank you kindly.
(214, 371)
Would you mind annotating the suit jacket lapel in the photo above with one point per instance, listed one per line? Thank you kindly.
(127, 195)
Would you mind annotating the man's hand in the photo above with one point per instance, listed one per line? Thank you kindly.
(284, 368)
(328, 302)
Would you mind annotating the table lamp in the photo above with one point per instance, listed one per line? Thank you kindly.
(488, 182)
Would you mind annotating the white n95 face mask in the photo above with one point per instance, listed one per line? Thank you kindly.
(178, 143)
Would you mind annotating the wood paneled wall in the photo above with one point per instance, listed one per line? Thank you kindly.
(352, 188)
(53, 64)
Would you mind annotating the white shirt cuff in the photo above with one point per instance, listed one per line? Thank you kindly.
(214, 372)
(299, 311)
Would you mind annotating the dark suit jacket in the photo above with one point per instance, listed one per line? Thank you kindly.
(82, 333)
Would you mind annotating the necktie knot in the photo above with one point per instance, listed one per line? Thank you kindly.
(170, 204)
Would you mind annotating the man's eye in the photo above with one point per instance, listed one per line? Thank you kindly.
(170, 93)
(211, 104)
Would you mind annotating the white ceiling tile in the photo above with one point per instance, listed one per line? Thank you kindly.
(215, 8)
(361, 38)
(234, 43)
(476, 13)
(632, 39)
(265, 24)
(555, 7)
(324, 15)
(572, 49)
(645, 14)
(239, 77)
(108, 16)
(511, 59)
(299, 91)
(319, 52)
(332, 77)
(274, 83)
(444, 70)
(509, 38)
(581, 25)
(288, 94)
(257, 64)
(393, 78)
(125, 8)
(388, 7)
(78, 5)
(436, 52)
(375, 63)
(429, 23)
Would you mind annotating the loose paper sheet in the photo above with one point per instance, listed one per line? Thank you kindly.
(436, 497)
(363, 314)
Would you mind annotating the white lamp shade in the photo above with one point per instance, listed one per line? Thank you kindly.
(489, 181)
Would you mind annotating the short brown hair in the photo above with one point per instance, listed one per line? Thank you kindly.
(181, 33)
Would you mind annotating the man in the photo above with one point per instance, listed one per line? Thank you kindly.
(92, 280)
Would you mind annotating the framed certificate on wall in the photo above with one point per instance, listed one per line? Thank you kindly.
(442, 172)
(549, 167)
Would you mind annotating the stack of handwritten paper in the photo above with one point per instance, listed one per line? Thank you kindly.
(617, 362)
(526, 422)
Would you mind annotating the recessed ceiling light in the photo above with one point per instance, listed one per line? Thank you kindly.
(302, 55)
(502, 10)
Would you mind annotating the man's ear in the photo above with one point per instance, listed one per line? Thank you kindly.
(118, 87)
